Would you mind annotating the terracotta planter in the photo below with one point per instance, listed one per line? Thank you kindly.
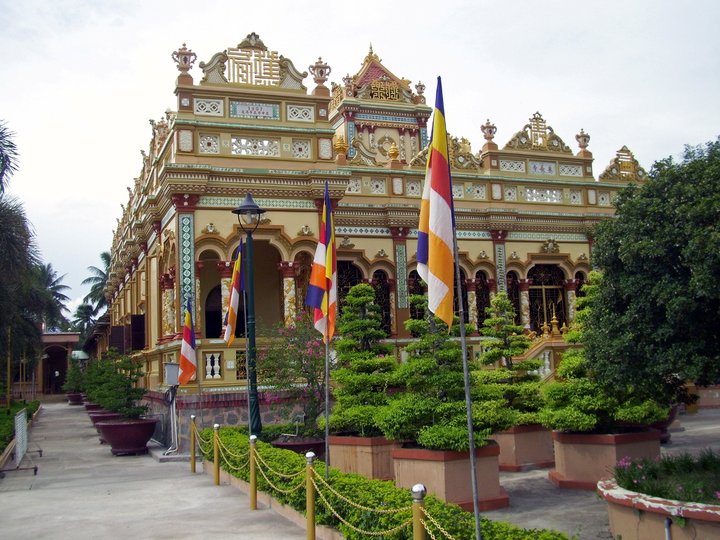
(525, 447)
(446, 475)
(302, 445)
(583, 459)
(635, 516)
(709, 397)
(369, 456)
(127, 436)
(74, 398)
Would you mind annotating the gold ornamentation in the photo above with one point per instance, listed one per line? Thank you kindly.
(488, 130)
(381, 254)
(550, 246)
(514, 256)
(184, 58)
(305, 231)
(340, 146)
(482, 255)
(384, 89)
(624, 167)
(537, 135)
(346, 243)
(320, 71)
(210, 229)
(393, 152)
(583, 139)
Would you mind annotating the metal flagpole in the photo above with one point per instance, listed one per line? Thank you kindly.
(468, 398)
(327, 403)
(247, 354)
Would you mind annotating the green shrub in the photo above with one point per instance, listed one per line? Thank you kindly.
(362, 491)
(74, 379)
(112, 383)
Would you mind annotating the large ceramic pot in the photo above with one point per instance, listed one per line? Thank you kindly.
(92, 406)
(127, 436)
(74, 398)
(369, 456)
(636, 516)
(301, 445)
(583, 459)
(525, 447)
(446, 475)
(101, 416)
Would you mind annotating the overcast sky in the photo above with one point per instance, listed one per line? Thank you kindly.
(79, 81)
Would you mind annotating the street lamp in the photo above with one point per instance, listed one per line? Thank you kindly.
(248, 214)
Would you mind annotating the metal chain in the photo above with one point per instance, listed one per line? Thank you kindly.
(243, 456)
(278, 473)
(425, 526)
(285, 491)
(353, 527)
(199, 437)
(434, 522)
(359, 506)
(233, 467)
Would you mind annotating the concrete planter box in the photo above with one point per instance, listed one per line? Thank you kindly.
(709, 397)
(635, 516)
(525, 447)
(583, 459)
(369, 456)
(445, 474)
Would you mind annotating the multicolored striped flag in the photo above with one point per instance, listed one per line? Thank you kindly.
(236, 287)
(188, 363)
(322, 289)
(435, 231)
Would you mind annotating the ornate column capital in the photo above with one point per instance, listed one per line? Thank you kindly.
(471, 284)
(492, 285)
(199, 266)
(185, 201)
(224, 268)
(156, 225)
(524, 284)
(287, 269)
(498, 237)
(399, 233)
(571, 284)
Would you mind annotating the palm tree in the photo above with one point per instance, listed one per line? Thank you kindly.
(8, 155)
(84, 319)
(55, 303)
(97, 282)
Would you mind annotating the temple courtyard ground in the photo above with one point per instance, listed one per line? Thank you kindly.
(82, 491)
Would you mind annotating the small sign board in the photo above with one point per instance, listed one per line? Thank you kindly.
(21, 438)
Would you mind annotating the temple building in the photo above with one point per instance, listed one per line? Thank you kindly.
(248, 120)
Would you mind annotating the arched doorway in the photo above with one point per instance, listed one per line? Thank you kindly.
(56, 362)
(482, 296)
(464, 292)
(215, 315)
(416, 286)
(547, 296)
(348, 275)
(303, 267)
(513, 292)
(382, 297)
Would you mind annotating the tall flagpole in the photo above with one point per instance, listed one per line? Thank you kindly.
(327, 406)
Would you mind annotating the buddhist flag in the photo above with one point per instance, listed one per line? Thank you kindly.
(435, 231)
(188, 363)
(236, 287)
(322, 289)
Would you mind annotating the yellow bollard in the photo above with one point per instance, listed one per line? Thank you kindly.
(310, 496)
(193, 430)
(253, 474)
(418, 495)
(216, 454)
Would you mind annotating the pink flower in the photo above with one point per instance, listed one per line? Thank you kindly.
(717, 494)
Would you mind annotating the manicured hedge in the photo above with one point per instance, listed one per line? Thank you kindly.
(369, 493)
(7, 420)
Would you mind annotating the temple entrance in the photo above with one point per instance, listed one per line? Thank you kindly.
(547, 296)
(56, 361)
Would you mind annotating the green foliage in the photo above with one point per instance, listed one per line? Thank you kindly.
(657, 311)
(295, 364)
(74, 378)
(112, 383)
(681, 477)
(360, 385)
(405, 415)
(505, 339)
(443, 437)
(7, 419)
(376, 494)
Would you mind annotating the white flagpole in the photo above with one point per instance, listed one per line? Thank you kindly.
(327, 404)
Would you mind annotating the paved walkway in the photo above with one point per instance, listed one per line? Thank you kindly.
(81, 491)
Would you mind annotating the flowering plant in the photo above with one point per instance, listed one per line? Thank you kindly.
(682, 477)
(294, 363)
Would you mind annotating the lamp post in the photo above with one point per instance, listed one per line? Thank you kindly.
(248, 214)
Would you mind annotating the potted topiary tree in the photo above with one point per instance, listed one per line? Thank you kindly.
(116, 389)
(360, 385)
(73, 386)
(595, 424)
(429, 417)
(527, 443)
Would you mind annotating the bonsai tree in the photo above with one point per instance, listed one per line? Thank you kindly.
(295, 365)
(367, 365)
(511, 381)
(431, 411)
(112, 383)
(74, 379)
(579, 400)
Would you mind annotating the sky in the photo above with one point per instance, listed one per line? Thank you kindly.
(80, 80)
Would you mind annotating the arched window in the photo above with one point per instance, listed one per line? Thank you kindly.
(513, 292)
(482, 296)
(581, 279)
(348, 275)
(463, 289)
(215, 313)
(547, 296)
(415, 286)
(382, 297)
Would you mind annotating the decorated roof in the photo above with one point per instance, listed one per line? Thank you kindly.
(624, 167)
(537, 135)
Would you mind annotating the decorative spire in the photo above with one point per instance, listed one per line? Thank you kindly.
(488, 130)
(184, 58)
(372, 56)
(320, 71)
(583, 139)
(393, 151)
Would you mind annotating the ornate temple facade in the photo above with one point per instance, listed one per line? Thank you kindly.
(247, 121)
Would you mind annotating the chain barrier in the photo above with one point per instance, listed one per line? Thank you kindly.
(230, 465)
(427, 529)
(199, 438)
(353, 527)
(359, 506)
(434, 522)
(237, 456)
(280, 490)
(278, 473)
